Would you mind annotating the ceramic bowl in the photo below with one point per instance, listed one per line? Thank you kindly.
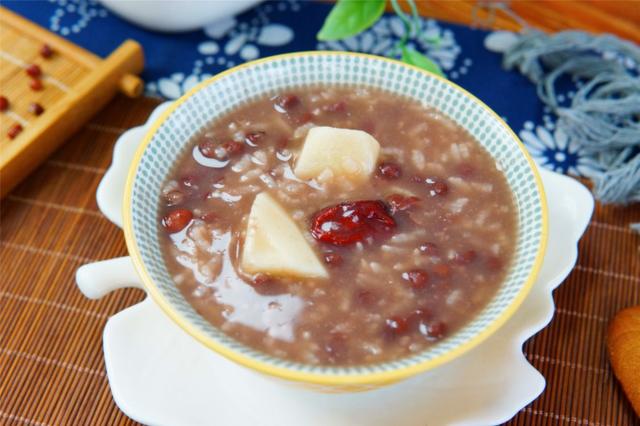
(169, 136)
(176, 15)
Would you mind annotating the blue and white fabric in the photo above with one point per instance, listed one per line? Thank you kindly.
(176, 62)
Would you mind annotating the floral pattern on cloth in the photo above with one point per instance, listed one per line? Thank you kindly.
(71, 17)
(437, 43)
(551, 148)
(177, 62)
(229, 42)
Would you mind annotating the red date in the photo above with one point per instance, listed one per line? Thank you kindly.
(350, 222)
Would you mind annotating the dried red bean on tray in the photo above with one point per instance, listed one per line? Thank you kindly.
(14, 131)
(46, 51)
(33, 71)
(35, 108)
(36, 84)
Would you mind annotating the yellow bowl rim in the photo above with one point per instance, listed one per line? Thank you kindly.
(325, 379)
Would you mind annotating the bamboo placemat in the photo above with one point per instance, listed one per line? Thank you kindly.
(51, 363)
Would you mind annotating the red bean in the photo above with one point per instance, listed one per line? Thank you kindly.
(436, 330)
(465, 257)
(174, 197)
(34, 71)
(254, 138)
(442, 270)
(267, 285)
(336, 347)
(332, 259)
(494, 264)
(176, 220)
(207, 147)
(418, 319)
(35, 108)
(233, 148)
(14, 131)
(261, 279)
(430, 249)
(190, 182)
(287, 101)
(366, 298)
(440, 188)
(46, 51)
(418, 278)
(395, 326)
(36, 84)
(398, 203)
(435, 186)
(4, 103)
(389, 171)
(209, 217)
(465, 170)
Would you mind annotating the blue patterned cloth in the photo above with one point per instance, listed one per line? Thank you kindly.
(176, 62)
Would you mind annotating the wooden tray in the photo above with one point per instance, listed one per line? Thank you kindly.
(75, 85)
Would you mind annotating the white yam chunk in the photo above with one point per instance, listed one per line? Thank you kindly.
(349, 154)
(274, 245)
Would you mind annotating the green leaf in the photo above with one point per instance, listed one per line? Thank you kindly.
(413, 57)
(349, 17)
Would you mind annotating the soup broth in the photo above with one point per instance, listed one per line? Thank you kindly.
(410, 254)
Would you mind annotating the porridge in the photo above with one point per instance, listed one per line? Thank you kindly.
(337, 226)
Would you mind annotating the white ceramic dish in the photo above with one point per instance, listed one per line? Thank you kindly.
(159, 375)
(176, 15)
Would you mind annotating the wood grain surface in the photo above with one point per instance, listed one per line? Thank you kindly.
(51, 363)
(75, 84)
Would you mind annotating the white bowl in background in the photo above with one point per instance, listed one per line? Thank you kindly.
(176, 15)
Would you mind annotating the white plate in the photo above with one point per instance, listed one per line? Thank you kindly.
(159, 375)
